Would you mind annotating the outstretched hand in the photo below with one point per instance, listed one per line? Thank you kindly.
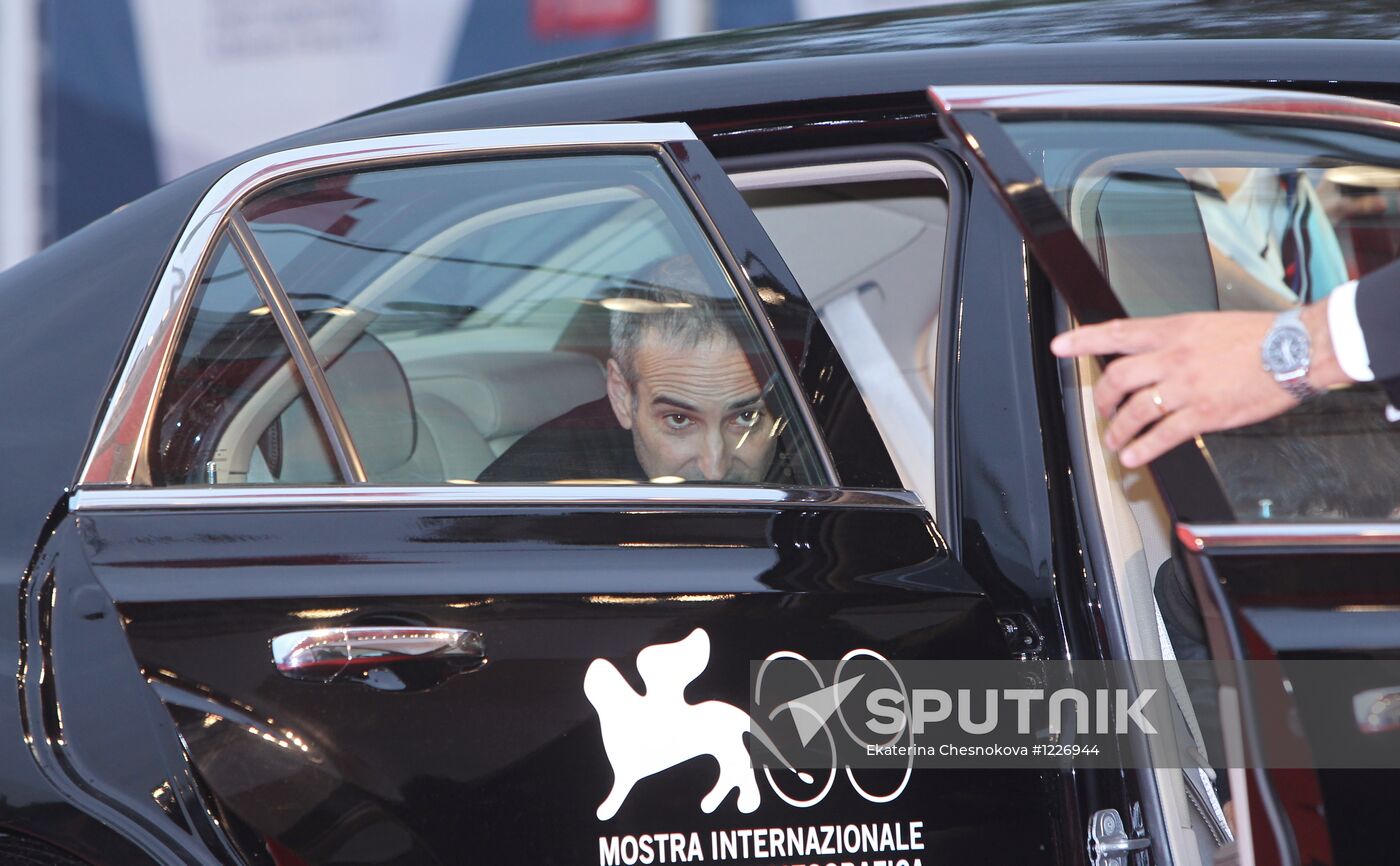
(1184, 375)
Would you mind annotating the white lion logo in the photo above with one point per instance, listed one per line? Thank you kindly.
(647, 733)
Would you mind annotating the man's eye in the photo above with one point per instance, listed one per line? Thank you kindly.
(748, 418)
(677, 422)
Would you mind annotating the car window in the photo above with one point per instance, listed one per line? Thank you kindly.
(231, 352)
(532, 320)
(1244, 216)
(866, 243)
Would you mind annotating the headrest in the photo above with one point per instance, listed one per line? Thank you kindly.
(511, 393)
(1153, 243)
(370, 388)
(374, 398)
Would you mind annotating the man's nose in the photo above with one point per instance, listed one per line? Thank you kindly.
(715, 457)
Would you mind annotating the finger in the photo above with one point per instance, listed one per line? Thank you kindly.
(1140, 411)
(1123, 377)
(1176, 428)
(1120, 336)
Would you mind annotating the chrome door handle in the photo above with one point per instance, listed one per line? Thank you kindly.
(323, 653)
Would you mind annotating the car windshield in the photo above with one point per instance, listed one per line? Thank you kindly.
(1189, 216)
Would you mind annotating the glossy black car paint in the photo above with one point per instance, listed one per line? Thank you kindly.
(131, 774)
(1019, 24)
(778, 97)
(67, 316)
(549, 592)
(1318, 604)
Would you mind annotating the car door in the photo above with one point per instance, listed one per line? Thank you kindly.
(285, 619)
(1156, 200)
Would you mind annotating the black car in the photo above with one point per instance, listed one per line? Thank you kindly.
(348, 480)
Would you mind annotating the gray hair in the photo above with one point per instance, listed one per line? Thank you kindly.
(668, 299)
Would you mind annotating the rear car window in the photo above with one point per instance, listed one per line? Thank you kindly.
(230, 352)
(1245, 216)
(531, 320)
(869, 256)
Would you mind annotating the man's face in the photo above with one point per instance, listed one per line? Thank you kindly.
(695, 412)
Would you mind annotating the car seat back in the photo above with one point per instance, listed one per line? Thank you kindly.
(478, 404)
(1149, 238)
(374, 398)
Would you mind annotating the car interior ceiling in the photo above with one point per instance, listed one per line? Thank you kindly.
(863, 252)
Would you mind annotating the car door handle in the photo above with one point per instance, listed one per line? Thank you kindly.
(322, 654)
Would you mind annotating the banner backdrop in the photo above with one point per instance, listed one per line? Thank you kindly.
(137, 92)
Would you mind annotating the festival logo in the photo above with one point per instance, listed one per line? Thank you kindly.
(644, 734)
(651, 732)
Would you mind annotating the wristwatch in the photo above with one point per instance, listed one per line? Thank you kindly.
(1287, 353)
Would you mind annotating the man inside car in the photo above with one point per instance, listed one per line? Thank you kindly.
(683, 402)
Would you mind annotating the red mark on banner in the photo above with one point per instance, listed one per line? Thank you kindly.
(561, 19)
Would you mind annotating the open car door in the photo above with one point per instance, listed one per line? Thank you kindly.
(1154, 200)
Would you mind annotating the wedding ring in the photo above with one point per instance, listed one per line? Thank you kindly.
(1157, 401)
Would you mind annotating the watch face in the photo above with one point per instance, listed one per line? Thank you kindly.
(1286, 350)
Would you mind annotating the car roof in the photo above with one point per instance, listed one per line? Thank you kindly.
(981, 23)
(780, 84)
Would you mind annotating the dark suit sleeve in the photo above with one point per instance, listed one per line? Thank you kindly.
(1378, 311)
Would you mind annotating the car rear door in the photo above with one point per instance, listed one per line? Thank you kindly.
(280, 623)
(1163, 199)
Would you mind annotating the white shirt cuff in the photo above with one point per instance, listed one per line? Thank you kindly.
(1348, 343)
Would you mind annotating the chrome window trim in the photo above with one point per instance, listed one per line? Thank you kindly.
(115, 454)
(347, 456)
(96, 499)
(1164, 99)
(1236, 536)
(852, 171)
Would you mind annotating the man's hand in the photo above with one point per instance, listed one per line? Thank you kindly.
(1184, 375)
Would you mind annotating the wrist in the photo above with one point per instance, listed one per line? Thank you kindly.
(1324, 371)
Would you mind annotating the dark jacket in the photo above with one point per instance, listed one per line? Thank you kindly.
(585, 443)
(1378, 310)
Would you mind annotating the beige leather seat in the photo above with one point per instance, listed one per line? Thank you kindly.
(377, 404)
(443, 419)
(475, 406)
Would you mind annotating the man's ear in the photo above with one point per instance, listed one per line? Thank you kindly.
(619, 395)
